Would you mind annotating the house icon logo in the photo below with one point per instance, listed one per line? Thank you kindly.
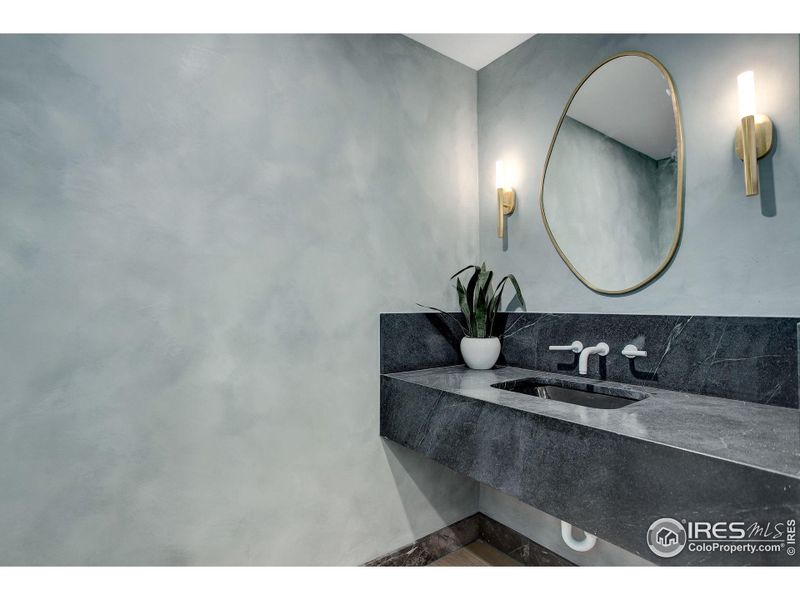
(666, 538)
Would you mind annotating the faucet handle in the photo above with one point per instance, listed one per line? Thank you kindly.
(575, 347)
(632, 351)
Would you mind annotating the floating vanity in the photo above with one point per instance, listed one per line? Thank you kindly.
(609, 458)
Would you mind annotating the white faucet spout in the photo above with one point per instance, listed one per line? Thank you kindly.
(583, 362)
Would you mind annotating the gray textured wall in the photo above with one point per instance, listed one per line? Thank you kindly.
(196, 231)
(197, 235)
(738, 255)
(596, 184)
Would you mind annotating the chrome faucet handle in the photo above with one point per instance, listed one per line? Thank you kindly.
(575, 347)
(632, 351)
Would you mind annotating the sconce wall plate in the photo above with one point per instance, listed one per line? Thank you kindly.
(506, 203)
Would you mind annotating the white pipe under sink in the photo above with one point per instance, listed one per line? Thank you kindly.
(583, 545)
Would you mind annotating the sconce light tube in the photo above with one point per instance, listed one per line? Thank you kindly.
(500, 174)
(754, 135)
(747, 113)
(506, 198)
(747, 94)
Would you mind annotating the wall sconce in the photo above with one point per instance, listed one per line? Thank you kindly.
(754, 135)
(506, 198)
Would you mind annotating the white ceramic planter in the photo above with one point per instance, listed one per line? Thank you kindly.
(480, 353)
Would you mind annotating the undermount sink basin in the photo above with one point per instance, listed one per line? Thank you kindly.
(590, 395)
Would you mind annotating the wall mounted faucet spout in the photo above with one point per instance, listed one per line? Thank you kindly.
(583, 361)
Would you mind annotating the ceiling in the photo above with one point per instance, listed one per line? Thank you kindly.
(475, 50)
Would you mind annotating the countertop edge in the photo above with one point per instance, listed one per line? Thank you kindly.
(787, 474)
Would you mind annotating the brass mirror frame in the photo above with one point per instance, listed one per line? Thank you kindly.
(680, 158)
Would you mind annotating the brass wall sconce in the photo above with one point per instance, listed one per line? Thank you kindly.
(754, 135)
(506, 199)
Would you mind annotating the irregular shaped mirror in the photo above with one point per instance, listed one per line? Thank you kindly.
(612, 190)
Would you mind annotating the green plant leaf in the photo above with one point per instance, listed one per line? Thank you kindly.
(488, 291)
(473, 282)
(462, 301)
(499, 289)
(518, 293)
(448, 315)
(480, 317)
(464, 269)
(483, 276)
(482, 300)
(479, 302)
(495, 302)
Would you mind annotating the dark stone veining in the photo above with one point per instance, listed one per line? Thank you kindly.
(611, 473)
(754, 359)
(432, 546)
(517, 546)
(478, 526)
(745, 358)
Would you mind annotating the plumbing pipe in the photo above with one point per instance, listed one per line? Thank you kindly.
(583, 545)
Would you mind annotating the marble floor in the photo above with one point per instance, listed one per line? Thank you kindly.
(476, 554)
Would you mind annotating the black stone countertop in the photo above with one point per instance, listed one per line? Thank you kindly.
(754, 435)
(615, 472)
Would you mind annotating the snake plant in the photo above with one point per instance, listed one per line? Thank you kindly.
(480, 301)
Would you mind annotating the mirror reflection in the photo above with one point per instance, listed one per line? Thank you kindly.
(611, 195)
